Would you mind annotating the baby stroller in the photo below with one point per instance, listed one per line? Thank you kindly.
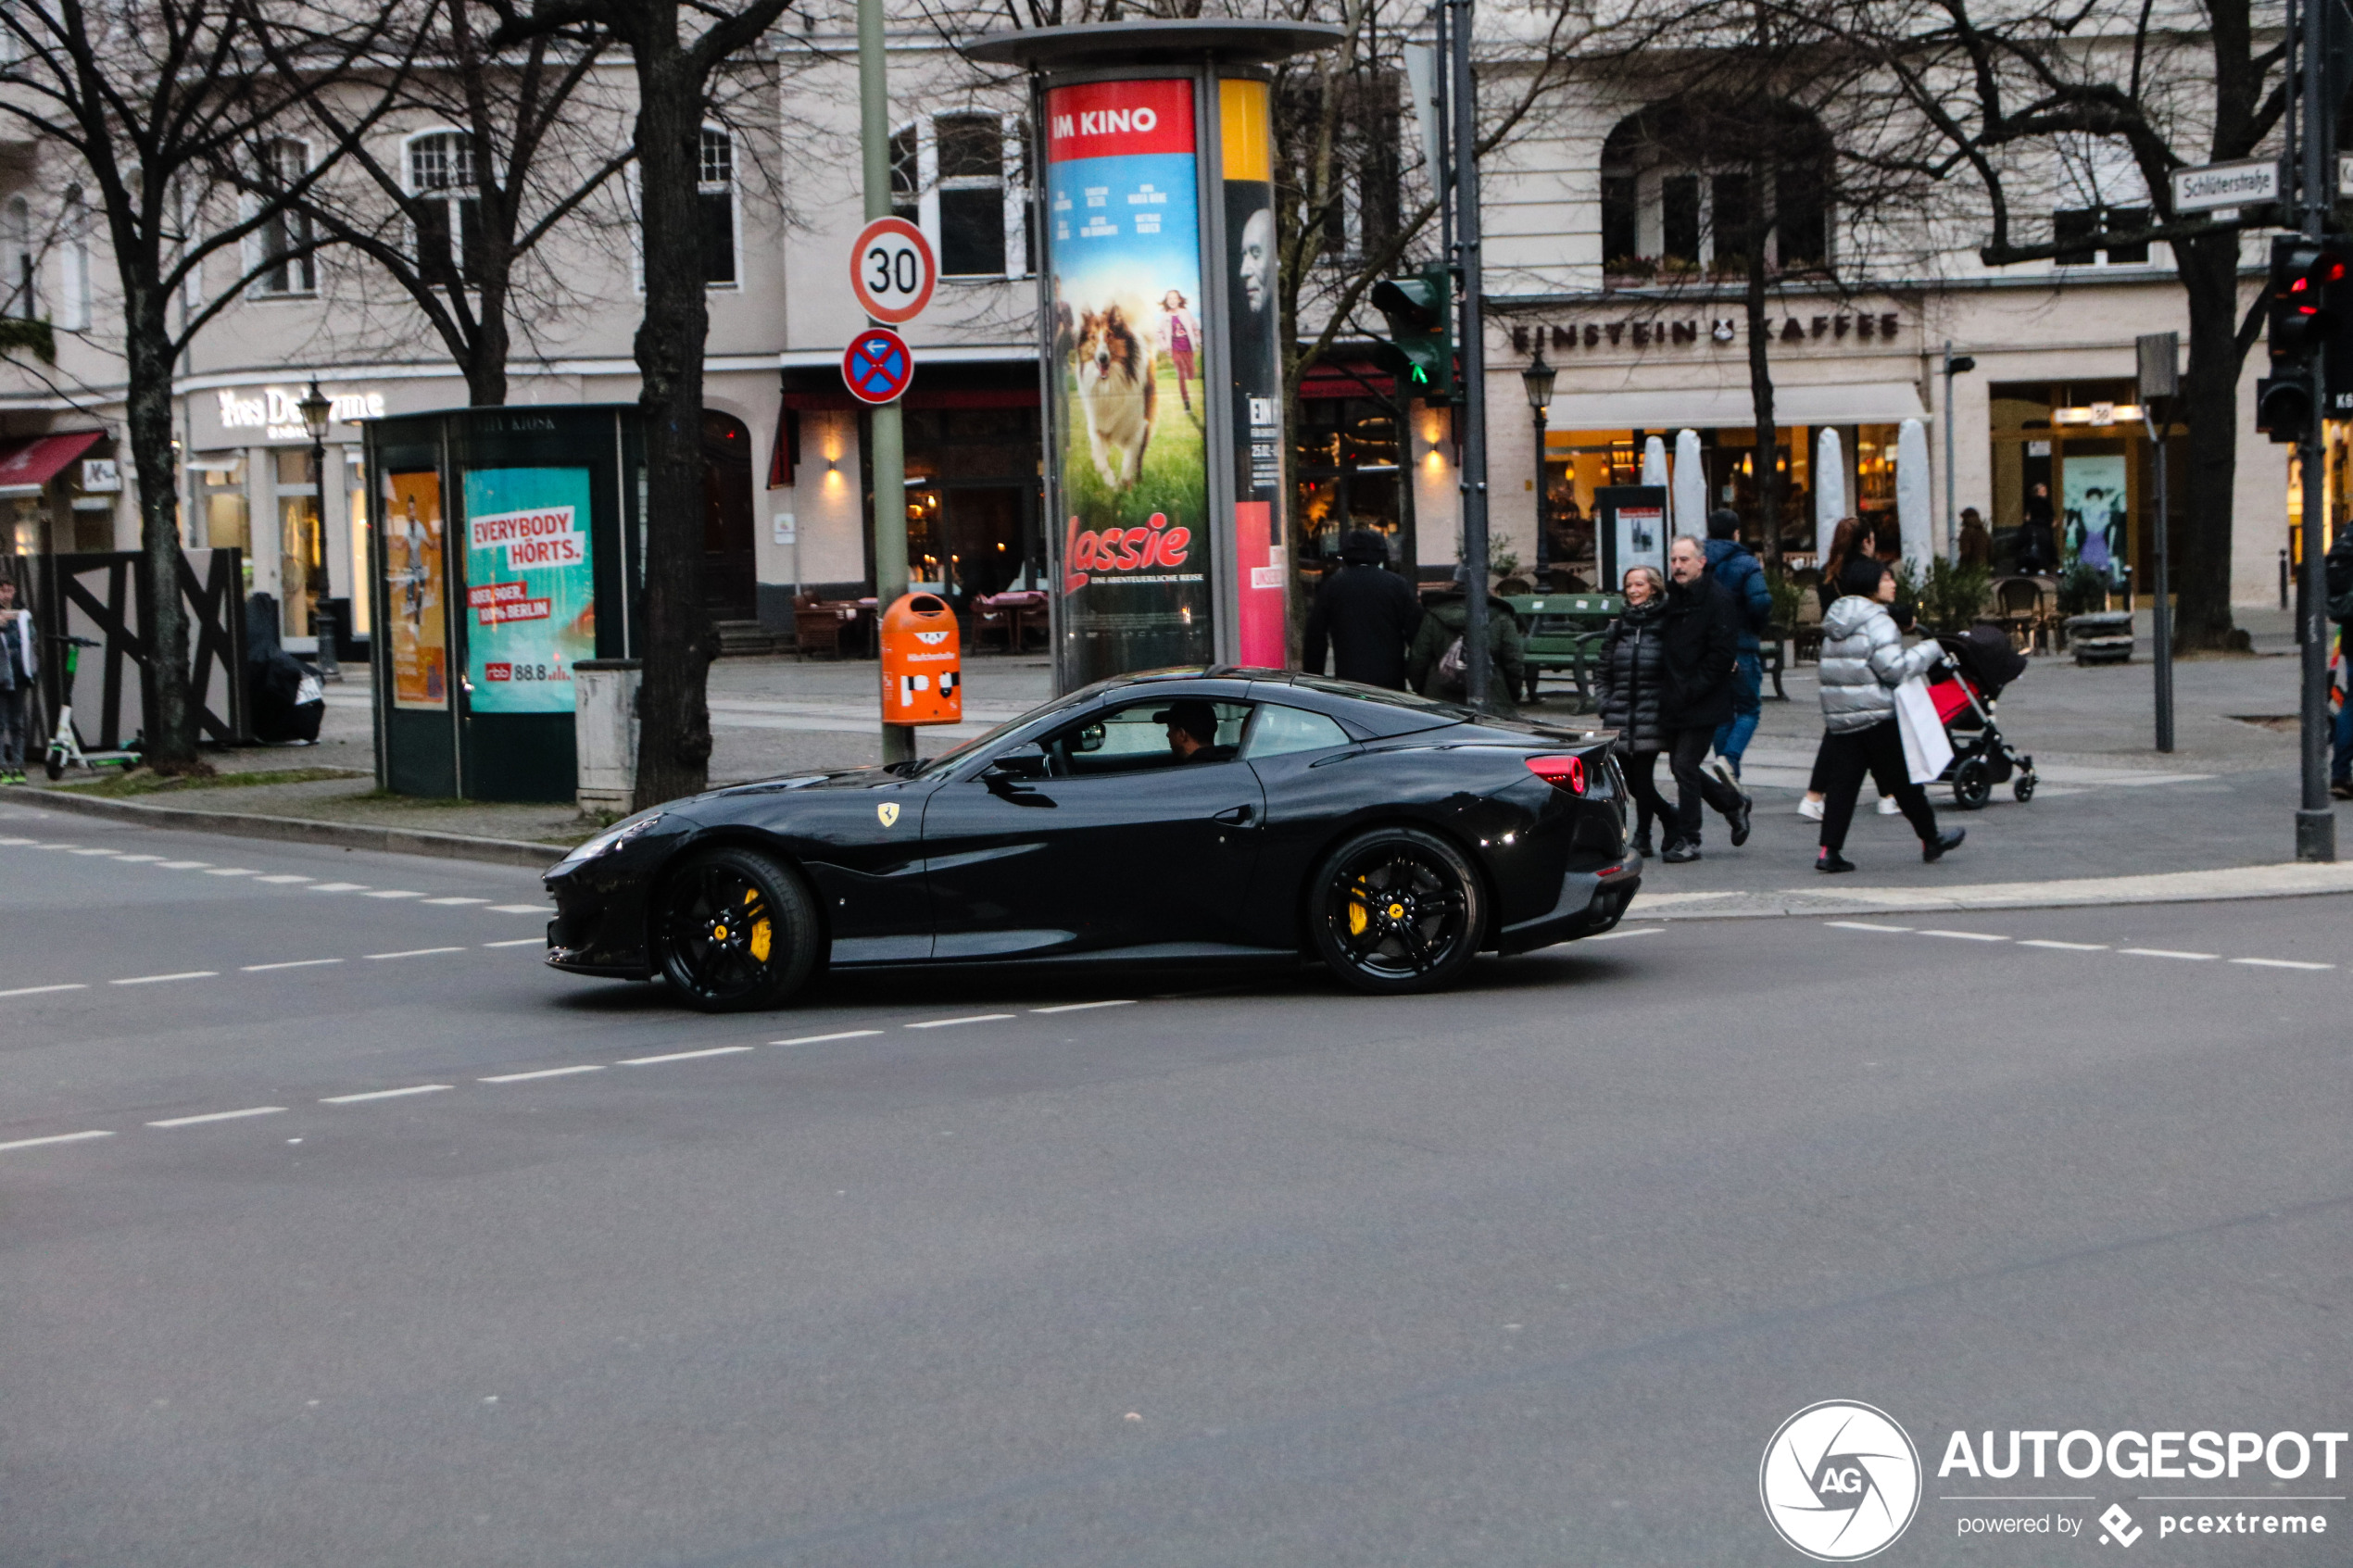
(1978, 664)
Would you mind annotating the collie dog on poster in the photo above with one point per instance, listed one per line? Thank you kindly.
(1118, 391)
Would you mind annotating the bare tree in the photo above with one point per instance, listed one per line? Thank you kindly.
(163, 105)
(2010, 89)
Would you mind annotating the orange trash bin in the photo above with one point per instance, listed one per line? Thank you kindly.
(922, 662)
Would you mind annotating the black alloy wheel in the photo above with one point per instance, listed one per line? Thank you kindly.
(1972, 783)
(736, 931)
(1396, 911)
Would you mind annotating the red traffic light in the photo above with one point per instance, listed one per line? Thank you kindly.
(2309, 290)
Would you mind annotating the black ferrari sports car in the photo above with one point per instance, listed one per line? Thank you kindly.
(1181, 816)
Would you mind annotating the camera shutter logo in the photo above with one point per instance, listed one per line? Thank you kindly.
(1840, 1481)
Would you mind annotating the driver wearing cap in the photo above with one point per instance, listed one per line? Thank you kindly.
(1192, 731)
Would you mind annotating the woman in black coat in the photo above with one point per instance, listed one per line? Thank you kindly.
(1631, 682)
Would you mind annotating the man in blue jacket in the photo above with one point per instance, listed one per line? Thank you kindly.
(1741, 578)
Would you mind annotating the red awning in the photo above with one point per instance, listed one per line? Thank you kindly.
(26, 466)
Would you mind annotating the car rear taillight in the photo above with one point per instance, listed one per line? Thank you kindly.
(1561, 773)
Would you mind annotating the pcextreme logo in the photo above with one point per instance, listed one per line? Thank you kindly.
(1840, 1481)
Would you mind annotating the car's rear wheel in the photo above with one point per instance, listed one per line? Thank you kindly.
(737, 930)
(1396, 910)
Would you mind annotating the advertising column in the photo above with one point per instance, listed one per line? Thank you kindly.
(530, 592)
(1131, 461)
(1246, 147)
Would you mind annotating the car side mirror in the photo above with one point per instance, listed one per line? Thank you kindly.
(1025, 763)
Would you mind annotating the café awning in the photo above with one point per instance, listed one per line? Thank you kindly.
(26, 466)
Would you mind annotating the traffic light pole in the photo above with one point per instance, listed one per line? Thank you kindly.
(886, 442)
(2316, 820)
(1470, 344)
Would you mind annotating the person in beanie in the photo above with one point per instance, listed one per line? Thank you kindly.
(19, 661)
(1366, 614)
(1863, 660)
(1434, 664)
(1741, 575)
(1631, 682)
(1703, 648)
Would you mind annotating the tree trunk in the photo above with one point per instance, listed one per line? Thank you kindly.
(2202, 571)
(674, 748)
(171, 712)
(487, 355)
(1760, 392)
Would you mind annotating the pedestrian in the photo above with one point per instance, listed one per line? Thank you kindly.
(2036, 552)
(1631, 682)
(19, 661)
(1366, 614)
(1853, 539)
(1434, 664)
(1741, 575)
(1703, 629)
(2340, 608)
(1863, 660)
(1180, 339)
(1977, 544)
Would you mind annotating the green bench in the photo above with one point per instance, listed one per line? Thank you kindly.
(1564, 632)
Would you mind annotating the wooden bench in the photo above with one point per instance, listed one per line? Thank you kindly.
(1564, 632)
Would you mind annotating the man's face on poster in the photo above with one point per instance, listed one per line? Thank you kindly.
(1258, 258)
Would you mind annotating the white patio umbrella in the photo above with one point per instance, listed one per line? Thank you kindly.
(1912, 509)
(1654, 462)
(1829, 488)
(1691, 486)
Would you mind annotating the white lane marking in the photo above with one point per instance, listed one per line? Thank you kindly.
(521, 909)
(2283, 963)
(103, 852)
(519, 942)
(384, 1094)
(77, 846)
(14, 840)
(160, 979)
(1634, 930)
(219, 1116)
(38, 990)
(1965, 935)
(59, 1137)
(230, 871)
(282, 879)
(138, 859)
(952, 1022)
(444, 902)
(543, 1072)
(819, 1039)
(1864, 925)
(393, 893)
(338, 887)
(1082, 1006)
(2167, 953)
(182, 865)
(290, 963)
(2064, 947)
(681, 1056)
(416, 952)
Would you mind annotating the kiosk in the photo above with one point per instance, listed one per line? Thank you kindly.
(1162, 369)
(507, 547)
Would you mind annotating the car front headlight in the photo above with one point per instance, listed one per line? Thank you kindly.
(613, 837)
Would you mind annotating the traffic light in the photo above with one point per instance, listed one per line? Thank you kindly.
(2307, 297)
(2283, 406)
(1420, 350)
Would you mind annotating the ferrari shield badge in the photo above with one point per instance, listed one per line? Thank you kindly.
(888, 812)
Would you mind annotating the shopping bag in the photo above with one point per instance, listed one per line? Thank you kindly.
(1928, 752)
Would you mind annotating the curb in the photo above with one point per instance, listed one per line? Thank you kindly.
(294, 830)
(2288, 880)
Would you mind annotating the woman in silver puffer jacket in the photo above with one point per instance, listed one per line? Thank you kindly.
(1863, 660)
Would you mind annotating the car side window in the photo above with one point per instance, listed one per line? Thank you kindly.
(1280, 730)
(1131, 739)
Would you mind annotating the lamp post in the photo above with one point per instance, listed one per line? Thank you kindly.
(315, 409)
(1538, 379)
(1955, 364)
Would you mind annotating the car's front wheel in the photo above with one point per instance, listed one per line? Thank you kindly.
(1396, 910)
(737, 930)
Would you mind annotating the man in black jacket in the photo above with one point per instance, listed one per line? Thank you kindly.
(1367, 615)
(1702, 651)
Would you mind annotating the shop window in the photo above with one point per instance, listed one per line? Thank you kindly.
(715, 208)
(2074, 228)
(17, 260)
(222, 503)
(279, 255)
(1679, 220)
(302, 560)
(961, 178)
(449, 217)
(1345, 464)
(1621, 210)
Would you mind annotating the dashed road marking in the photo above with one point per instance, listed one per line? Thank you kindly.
(2065, 947)
(521, 909)
(230, 871)
(952, 1022)
(289, 963)
(40, 990)
(182, 865)
(337, 887)
(56, 1137)
(1865, 925)
(219, 1116)
(385, 1094)
(162, 978)
(97, 851)
(1964, 935)
(1082, 1006)
(2168, 953)
(138, 859)
(543, 1072)
(454, 901)
(393, 893)
(2283, 963)
(519, 942)
(682, 1056)
(284, 878)
(821, 1039)
(416, 952)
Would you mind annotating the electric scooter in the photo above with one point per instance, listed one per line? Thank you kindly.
(65, 740)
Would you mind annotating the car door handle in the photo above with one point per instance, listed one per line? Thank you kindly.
(1240, 816)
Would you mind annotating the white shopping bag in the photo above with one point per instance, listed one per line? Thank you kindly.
(1927, 750)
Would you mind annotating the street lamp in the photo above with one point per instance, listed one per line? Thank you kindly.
(1538, 379)
(315, 408)
(1955, 364)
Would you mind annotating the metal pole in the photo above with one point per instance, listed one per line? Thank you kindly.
(1543, 514)
(2161, 622)
(886, 438)
(2316, 820)
(1952, 518)
(1471, 347)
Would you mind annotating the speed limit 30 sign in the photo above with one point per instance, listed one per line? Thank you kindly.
(892, 270)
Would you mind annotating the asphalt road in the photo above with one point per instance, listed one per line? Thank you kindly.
(1193, 1269)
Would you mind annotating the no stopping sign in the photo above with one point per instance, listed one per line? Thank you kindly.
(877, 366)
(891, 269)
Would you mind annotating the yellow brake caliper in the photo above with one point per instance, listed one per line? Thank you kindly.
(759, 930)
(1358, 917)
